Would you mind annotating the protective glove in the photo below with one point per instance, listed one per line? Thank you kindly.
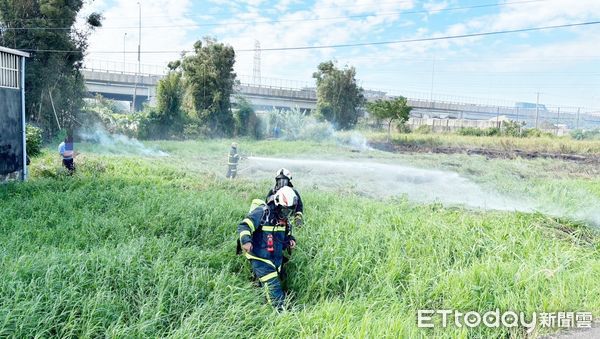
(298, 220)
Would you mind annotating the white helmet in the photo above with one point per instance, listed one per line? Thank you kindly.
(282, 172)
(286, 199)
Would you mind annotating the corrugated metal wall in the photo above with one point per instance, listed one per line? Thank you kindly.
(11, 128)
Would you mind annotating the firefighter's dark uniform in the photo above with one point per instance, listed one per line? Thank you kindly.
(258, 225)
(232, 163)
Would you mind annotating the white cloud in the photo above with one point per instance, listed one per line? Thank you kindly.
(434, 6)
(357, 21)
(338, 22)
(551, 12)
(283, 5)
(122, 18)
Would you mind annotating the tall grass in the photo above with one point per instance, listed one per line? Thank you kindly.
(541, 144)
(135, 247)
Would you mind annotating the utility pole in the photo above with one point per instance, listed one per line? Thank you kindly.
(557, 121)
(124, 47)
(432, 76)
(537, 110)
(498, 116)
(256, 71)
(578, 110)
(518, 122)
(137, 74)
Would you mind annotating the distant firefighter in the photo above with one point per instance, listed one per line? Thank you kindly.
(232, 161)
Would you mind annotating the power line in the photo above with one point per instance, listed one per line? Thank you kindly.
(360, 44)
(553, 58)
(293, 20)
(448, 37)
(224, 15)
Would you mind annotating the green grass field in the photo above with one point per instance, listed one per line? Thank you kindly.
(145, 247)
(565, 144)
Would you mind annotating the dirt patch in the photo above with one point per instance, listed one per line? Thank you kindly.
(487, 152)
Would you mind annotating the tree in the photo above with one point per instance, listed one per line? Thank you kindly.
(338, 95)
(45, 28)
(169, 97)
(210, 78)
(246, 121)
(390, 110)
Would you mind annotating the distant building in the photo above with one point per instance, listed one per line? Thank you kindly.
(530, 105)
(13, 152)
(373, 95)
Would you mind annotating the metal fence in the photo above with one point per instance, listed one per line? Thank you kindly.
(436, 106)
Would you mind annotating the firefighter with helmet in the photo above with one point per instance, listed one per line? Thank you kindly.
(232, 161)
(264, 235)
(283, 178)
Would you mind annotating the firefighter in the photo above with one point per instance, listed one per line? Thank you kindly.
(67, 153)
(283, 178)
(232, 161)
(264, 235)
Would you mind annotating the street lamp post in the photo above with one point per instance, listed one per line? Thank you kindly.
(124, 52)
(137, 74)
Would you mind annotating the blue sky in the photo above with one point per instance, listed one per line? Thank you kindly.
(562, 64)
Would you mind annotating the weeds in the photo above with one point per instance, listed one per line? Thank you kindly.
(137, 247)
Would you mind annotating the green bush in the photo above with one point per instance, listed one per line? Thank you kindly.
(423, 129)
(296, 125)
(33, 136)
(403, 128)
(579, 134)
(478, 132)
(536, 133)
(246, 121)
(509, 129)
(512, 128)
(112, 118)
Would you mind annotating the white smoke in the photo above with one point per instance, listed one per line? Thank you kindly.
(354, 140)
(380, 180)
(386, 180)
(118, 143)
(297, 125)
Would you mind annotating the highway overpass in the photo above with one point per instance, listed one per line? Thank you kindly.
(121, 85)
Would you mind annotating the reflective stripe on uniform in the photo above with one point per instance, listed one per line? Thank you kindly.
(249, 223)
(268, 277)
(258, 202)
(268, 293)
(273, 228)
(243, 233)
(266, 261)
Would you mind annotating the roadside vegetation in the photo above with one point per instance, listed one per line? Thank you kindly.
(140, 242)
(545, 143)
(148, 250)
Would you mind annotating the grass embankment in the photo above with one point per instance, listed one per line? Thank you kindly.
(560, 145)
(134, 247)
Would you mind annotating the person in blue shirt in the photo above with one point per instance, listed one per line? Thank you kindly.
(68, 154)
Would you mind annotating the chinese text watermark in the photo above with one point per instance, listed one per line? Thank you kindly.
(508, 319)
